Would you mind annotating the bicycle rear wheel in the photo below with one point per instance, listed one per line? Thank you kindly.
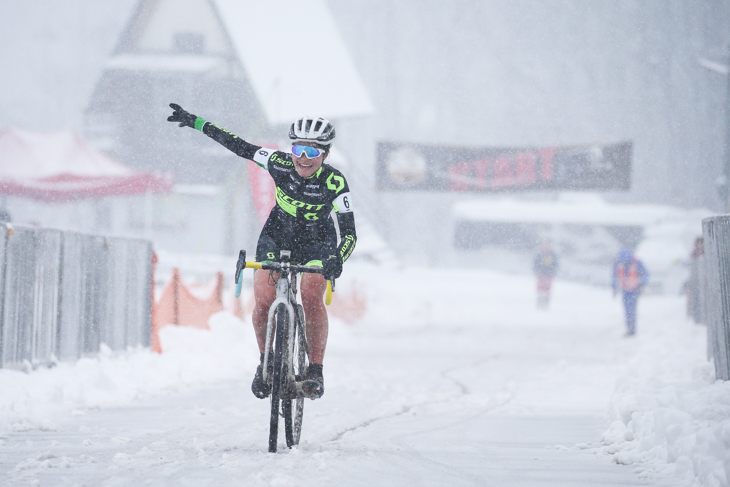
(293, 420)
(280, 352)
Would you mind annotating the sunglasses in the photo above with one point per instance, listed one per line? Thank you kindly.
(310, 152)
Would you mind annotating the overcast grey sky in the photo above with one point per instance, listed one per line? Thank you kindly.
(463, 72)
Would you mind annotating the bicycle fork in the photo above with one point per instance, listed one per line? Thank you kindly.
(282, 297)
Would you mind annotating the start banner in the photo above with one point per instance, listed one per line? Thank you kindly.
(420, 167)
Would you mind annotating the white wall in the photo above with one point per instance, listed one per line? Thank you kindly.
(182, 223)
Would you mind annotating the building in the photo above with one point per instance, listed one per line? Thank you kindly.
(241, 64)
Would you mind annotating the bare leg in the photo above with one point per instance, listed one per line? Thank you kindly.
(313, 288)
(264, 292)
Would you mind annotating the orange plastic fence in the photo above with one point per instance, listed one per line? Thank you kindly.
(347, 306)
(178, 306)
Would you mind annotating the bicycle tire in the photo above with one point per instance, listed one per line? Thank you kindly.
(279, 374)
(293, 421)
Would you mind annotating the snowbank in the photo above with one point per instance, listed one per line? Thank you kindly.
(192, 358)
(669, 416)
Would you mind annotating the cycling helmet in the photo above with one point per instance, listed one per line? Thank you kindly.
(309, 129)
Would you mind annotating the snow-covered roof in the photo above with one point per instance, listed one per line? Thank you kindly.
(290, 51)
(295, 59)
(569, 209)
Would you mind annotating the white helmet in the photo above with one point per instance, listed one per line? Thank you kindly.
(308, 129)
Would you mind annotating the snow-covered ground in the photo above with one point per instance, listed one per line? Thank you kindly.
(451, 378)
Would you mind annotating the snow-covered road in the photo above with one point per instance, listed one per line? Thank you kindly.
(453, 378)
(212, 438)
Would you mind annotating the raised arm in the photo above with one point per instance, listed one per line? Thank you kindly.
(225, 138)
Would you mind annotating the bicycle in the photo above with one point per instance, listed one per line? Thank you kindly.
(290, 352)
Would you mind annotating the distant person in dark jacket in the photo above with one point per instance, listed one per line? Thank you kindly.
(5, 216)
(629, 276)
(545, 267)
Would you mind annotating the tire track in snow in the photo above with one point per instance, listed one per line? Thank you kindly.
(463, 391)
(367, 423)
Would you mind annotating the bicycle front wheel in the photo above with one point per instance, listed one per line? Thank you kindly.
(280, 374)
(293, 421)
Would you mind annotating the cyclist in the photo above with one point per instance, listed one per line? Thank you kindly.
(307, 190)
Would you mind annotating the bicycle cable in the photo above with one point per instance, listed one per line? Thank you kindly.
(272, 281)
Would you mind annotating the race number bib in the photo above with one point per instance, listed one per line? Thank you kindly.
(343, 203)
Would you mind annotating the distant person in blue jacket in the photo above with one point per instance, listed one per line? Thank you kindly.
(629, 277)
(545, 267)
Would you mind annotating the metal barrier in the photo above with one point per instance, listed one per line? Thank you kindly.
(715, 291)
(63, 294)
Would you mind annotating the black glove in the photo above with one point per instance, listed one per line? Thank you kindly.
(180, 115)
(332, 267)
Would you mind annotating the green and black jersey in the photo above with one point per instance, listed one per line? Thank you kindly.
(302, 214)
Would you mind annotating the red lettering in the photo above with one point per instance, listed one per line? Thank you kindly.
(459, 176)
(546, 156)
(502, 172)
(507, 170)
(525, 168)
(480, 172)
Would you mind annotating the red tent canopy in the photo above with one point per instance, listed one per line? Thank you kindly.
(61, 166)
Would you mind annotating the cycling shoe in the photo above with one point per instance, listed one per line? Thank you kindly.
(313, 385)
(259, 386)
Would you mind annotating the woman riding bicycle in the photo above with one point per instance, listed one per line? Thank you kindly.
(307, 190)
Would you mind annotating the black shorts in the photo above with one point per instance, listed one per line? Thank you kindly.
(311, 252)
